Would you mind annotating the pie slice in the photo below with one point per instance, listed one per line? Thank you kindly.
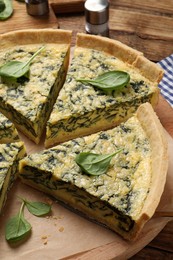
(8, 132)
(28, 101)
(126, 196)
(10, 154)
(11, 151)
(81, 109)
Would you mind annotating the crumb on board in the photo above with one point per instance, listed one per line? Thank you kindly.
(61, 229)
(54, 217)
(44, 239)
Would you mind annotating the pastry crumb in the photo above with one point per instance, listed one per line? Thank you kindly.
(61, 229)
(44, 239)
(60, 217)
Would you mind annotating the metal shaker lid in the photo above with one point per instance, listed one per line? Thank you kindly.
(97, 11)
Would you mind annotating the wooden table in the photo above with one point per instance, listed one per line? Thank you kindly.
(144, 25)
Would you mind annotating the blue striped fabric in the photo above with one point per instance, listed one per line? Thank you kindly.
(166, 85)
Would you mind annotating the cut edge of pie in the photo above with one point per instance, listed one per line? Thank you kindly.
(9, 173)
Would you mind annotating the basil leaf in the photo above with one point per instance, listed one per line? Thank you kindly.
(17, 227)
(37, 208)
(110, 80)
(6, 11)
(94, 164)
(16, 69)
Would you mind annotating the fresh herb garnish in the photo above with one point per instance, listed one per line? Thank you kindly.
(109, 81)
(15, 69)
(18, 228)
(6, 9)
(37, 208)
(94, 164)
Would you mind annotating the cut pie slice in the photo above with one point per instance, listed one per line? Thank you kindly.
(8, 132)
(82, 109)
(11, 151)
(10, 154)
(28, 101)
(126, 196)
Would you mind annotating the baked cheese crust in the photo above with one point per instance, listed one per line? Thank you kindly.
(127, 195)
(28, 102)
(81, 109)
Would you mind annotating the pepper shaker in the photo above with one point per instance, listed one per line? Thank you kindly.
(37, 7)
(97, 17)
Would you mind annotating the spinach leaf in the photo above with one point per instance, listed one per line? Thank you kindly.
(17, 227)
(37, 208)
(94, 164)
(16, 69)
(108, 81)
(7, 10)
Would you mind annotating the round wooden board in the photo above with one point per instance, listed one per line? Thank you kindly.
(67, 235)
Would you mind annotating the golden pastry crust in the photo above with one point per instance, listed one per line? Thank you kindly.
(159, 164)
(123, 52)
(35, 36)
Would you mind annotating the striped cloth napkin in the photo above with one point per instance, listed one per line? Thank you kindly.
(166, 84)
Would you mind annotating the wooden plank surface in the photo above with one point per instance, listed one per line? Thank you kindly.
(21, 20)
(144, 25)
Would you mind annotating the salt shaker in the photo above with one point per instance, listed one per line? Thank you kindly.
(37, 7)
(97, 17)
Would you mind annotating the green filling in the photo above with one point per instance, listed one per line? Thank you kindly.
(78, 198)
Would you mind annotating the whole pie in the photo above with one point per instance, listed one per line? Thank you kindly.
(51, 98)
(127, 194)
